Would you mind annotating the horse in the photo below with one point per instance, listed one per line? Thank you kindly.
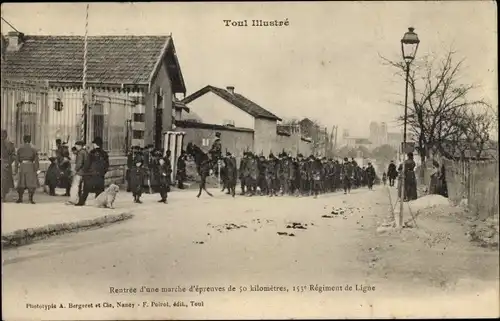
(203, 165)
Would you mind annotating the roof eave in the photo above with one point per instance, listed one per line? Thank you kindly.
(179, 70)
(158, 62)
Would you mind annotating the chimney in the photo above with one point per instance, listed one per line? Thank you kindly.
(15, 40)
(230, 89)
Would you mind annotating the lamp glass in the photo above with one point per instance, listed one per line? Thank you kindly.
(409, 45)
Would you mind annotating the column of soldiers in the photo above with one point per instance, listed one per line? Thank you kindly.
(300, 176)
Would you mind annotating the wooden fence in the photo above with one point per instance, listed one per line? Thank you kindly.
(476, 181)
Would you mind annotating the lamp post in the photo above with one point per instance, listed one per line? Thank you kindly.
(409, 47)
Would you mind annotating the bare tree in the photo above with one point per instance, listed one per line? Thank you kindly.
(477, 127)
(438, 103)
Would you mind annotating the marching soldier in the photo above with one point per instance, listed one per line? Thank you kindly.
(231, 173)
(337, 173)
(317, 174)
(370, 176)
(324, 175)
(271, 175)
(310, 163)
(284, 174)
(303, 173)
(261, 181)
(243, 170)
(291, 174)
(27, 166)
(347, 173)
(252, 172)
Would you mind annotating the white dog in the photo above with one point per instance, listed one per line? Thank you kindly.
(107, 198)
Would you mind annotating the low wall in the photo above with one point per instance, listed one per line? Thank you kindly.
(233, 139)
(293, 144)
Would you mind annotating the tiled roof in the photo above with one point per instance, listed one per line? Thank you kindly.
(237, 100)
(111, 59)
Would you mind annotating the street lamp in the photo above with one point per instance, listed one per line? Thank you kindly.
(409, 46)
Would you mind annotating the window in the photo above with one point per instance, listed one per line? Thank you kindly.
(139, 117)
(205, 142)
(100, 125)
(138, 134)
(26, 125)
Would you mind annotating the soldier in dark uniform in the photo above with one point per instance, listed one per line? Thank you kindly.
(317, 174)
(8, 157)
(252, 173)
(271, 176)
(370, 176)
(164, 172)
(261, 180)
(284, 174)
(324, 175)
(181, 170)
(303, 176)
(392, 173)
(242, 171)
(291, 175)
(310, 163)
(95, 171)
(27, 166)
(347, 173)
(231, 173)
(137, 176)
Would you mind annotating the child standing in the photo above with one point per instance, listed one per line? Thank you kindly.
(164, 171)
(137, 175)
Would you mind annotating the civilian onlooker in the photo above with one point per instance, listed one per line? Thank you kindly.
(81, 160)
(94, 171)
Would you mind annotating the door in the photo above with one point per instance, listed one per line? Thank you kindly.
(158, 139)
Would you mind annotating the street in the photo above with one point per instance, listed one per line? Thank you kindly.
(244, 243)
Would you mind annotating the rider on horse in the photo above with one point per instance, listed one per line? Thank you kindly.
(216, 151)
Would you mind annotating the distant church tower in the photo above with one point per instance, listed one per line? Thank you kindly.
(383, 133)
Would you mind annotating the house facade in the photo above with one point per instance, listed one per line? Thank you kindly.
(225, 107)
(131, 81)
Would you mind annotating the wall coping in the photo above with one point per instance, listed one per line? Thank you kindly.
(192, 124)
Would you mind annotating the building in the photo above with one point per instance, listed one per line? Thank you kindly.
(355, 142)
(132, 82)
(374, 133)
(226, 107)
(317, 135)
(394, 140)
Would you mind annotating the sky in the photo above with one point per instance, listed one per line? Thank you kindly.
(324, 65)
